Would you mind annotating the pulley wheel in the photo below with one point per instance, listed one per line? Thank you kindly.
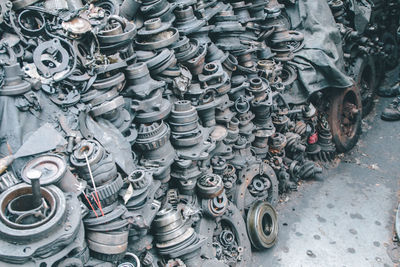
(262, 225)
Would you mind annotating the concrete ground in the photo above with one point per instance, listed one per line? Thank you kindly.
(348, 218)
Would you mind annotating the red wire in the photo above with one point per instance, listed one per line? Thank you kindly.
(97, 200)
(90, 204)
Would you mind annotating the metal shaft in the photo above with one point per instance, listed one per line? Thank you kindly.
(37, 195)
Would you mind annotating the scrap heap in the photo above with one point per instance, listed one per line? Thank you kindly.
(159, 131)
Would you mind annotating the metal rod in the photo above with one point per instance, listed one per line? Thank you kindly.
(34, 176)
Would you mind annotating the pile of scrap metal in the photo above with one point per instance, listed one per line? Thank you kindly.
(154, 132)
(370, 46)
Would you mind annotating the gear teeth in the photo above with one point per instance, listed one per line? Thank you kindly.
(108, 192)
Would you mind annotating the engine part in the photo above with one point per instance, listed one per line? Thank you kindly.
(117, 32)
(258, 182)
(262, 136)
(262, 225)
(228, 241)
(31, 22)
(53, 169)
(102, 164)
(328, 150)
(77, 26)
(51, 230)
(185, 131)
(110, 246)
(130, 260)
(206, 108)
(112, 220)
(51, 58)
(277, 144)
(285, 183)
(175, 238)
(214, 78)
(107, 193)
(7, 180)
(210, 186)
(227, 31)
(185, 49)
(140, 180)
(215, 207)
(186, 22)
(156, 35)
(153, 141)
(13, 82)
(186, 172)
(294, 147)
(305, 170)
(140, 83)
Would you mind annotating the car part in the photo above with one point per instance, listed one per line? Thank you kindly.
(262, 225)
(345, 118)
(50, 235)
(53, 170)
(13, 82)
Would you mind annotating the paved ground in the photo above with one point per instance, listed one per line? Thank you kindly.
(348, 218)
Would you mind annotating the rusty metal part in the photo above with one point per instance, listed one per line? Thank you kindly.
(328, 149)
(7, 180)
(102, 164)
(196, 64)
(185, 49)
(210, 186)
(186, 22)
(51, 58)
(214, 78)
(345, 118)
(153, 141)
(13, 82)
(228, 239)
(130, 260)
(107, 192)
(56, 228)
(77, 26)
(174, 236)
(110, 246)
(184, 125)
(277, 144)
(156, 35)
(262, 225)
(258, 181)
(227, 30)
(260, 144)
(305, 170)
(215, 207)
(53, 169)
(140, 84)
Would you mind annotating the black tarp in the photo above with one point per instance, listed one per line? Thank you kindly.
(320, 63)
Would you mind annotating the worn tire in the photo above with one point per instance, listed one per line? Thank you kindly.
(345, 117)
